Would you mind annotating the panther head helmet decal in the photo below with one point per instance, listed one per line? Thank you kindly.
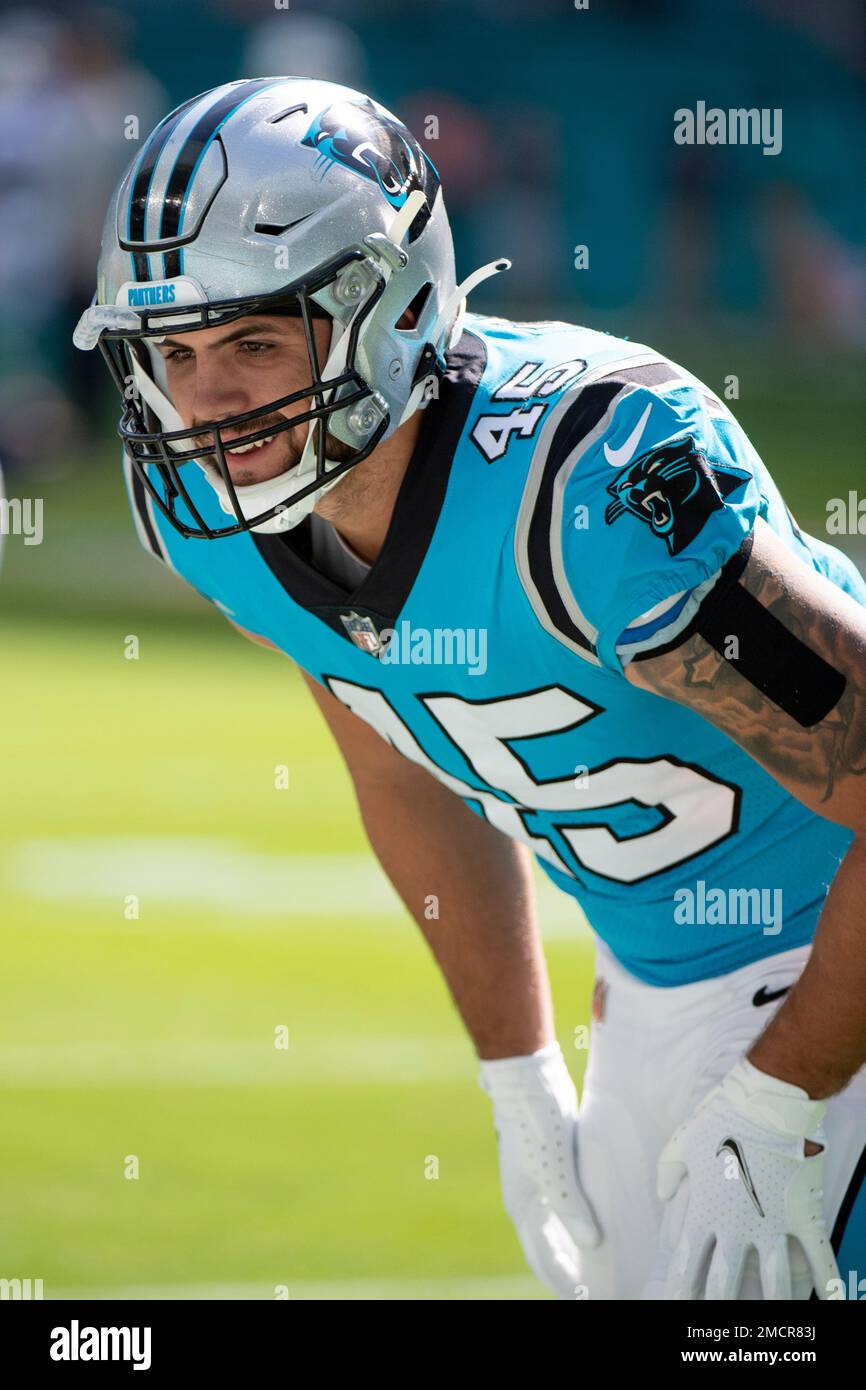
(376, 147)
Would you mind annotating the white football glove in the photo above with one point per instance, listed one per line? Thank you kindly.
(749, 1184)
(535, 1114)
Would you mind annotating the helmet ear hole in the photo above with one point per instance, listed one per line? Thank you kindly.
(411, 315)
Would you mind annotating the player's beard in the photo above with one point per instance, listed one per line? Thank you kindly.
(356, 490)
(280, 455)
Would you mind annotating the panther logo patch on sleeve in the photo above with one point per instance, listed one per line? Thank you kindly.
(674, 489)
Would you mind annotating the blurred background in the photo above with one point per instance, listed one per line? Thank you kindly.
(165, 907)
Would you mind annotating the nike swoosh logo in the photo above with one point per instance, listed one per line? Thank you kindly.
(617, 457)
(765, 996)
(733, 1147)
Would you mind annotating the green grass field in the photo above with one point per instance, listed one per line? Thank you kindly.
(154, 1037)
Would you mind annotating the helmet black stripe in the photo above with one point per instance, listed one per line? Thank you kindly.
(189, 156)
(137, 212)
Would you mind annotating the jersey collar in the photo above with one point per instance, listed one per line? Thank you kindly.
(382, 594)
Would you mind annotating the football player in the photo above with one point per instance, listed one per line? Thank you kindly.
(550, 602)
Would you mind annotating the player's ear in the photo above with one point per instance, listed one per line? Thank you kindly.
(407, 319)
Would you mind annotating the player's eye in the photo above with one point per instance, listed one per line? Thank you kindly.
(254, 347)
(177, 355)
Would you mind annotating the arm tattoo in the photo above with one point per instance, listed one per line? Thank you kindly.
(820, 758)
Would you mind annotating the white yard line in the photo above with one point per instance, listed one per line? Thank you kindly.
(237, 886)
(346, 1061)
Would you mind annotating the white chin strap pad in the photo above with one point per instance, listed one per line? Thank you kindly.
(157, 400)
(406, 216)
(455, 305)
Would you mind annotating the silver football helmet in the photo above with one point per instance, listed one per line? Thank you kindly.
(276, 195)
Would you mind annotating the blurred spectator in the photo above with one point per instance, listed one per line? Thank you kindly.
(837, 23)
(287, 44)
(66, 92)
(817, 280)
(555, 130)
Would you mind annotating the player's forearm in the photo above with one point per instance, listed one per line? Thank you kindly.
(817, 1039)
(470, 890)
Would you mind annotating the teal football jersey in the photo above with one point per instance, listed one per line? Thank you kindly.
(571, 501)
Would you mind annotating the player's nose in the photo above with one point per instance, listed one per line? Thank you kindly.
(217, 395)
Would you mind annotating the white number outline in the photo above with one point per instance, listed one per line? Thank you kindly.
(506, 812)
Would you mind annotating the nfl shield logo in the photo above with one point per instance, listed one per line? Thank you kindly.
(363, 633)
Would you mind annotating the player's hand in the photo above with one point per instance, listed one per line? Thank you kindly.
(535, 1114)
(748, 1183)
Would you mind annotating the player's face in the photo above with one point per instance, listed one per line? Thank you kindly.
(215, 373)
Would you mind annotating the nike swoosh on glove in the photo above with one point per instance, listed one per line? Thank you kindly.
(749, 1184)
(535, 1114)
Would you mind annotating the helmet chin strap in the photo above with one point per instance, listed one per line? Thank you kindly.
(454, 307)
(158, 401)
(406, 216)
(456, 301)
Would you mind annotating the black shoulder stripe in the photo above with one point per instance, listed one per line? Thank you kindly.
(643, 374)
(579, 414)
(538, 559)
(581, 417)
